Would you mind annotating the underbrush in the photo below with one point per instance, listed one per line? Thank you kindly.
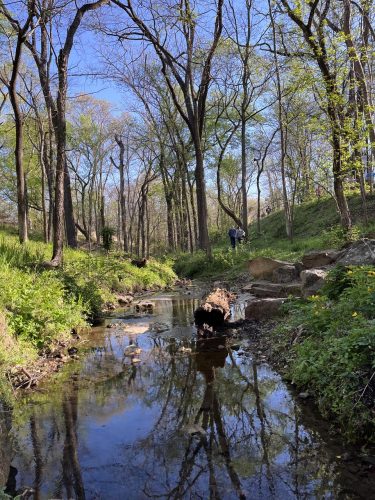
(330, 342)
(38, 306)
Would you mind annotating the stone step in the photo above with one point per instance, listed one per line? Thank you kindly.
(264, 308)
(265, 289)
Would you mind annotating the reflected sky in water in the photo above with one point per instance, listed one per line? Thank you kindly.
(192, 419)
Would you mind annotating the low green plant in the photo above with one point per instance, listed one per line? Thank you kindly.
(333, 353)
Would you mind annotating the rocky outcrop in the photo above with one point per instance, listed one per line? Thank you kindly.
(264, 308)
(285, 274)
(312, 281)
(263, 267)
(359, 253)
(319, 258)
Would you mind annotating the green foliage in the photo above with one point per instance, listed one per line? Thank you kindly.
(107, 235)
(38, 306)
(334, 352)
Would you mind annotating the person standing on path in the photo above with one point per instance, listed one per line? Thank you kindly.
(232, 233)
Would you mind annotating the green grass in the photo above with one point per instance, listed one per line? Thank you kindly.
(39, 306)
(316, 226)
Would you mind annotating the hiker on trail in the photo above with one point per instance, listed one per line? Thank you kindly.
(240, 234)
(268, 210)
(232, 233)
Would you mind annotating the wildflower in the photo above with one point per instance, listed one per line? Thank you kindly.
(354, 314)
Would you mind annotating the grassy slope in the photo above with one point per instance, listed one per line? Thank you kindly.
(316, 226)
(38, 307)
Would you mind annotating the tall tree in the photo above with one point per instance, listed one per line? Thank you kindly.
(185, 65)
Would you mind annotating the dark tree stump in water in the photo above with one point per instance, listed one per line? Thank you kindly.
(214, 309)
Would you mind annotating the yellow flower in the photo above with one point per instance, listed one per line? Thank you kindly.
(354, 314)
(351, 272)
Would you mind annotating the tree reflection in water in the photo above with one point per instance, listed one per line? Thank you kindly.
(210, 423)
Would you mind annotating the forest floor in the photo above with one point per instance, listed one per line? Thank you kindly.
(42, 311)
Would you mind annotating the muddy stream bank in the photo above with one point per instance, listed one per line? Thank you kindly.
(151, 410)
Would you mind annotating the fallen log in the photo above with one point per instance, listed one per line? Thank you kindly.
(214, 309)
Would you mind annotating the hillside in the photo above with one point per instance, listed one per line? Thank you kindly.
(316, 226)
(312, 218)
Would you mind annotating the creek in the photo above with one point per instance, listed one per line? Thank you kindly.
(151, 410)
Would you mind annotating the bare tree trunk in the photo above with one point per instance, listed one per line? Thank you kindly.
(18, 119)
(70, 227)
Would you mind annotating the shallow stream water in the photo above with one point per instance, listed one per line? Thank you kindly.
(153, 411)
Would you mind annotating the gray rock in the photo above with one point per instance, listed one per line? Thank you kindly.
(264, 308)
(312, 281)
(124, 300)
(263, 267)
(285, 274)
(359, 253)
(319, 258)
(144, 306)
(304, 395)
(263, 289)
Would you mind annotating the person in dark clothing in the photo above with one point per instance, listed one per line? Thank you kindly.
(232, 233)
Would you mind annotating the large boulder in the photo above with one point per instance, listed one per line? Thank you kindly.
(263, 267)
(264, 308)
(359, 253)
(312, 281)
(285, 274)
(319, 258)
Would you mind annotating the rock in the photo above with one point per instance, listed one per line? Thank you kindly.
(304, 395)
(312, 281)
(159, 327)
(263, 289)
(285, 274)
(110, 306)
(124, 300)
(72, 351)
(263, 267)
(359, 253)
(319, 258)
(144, 306)
(264, 308)
(185, 350)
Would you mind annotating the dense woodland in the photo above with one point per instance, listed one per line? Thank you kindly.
(222, 108)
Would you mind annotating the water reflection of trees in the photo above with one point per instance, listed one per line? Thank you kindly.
(220, 427)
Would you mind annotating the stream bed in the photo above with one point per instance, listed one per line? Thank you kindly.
(151, 410)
